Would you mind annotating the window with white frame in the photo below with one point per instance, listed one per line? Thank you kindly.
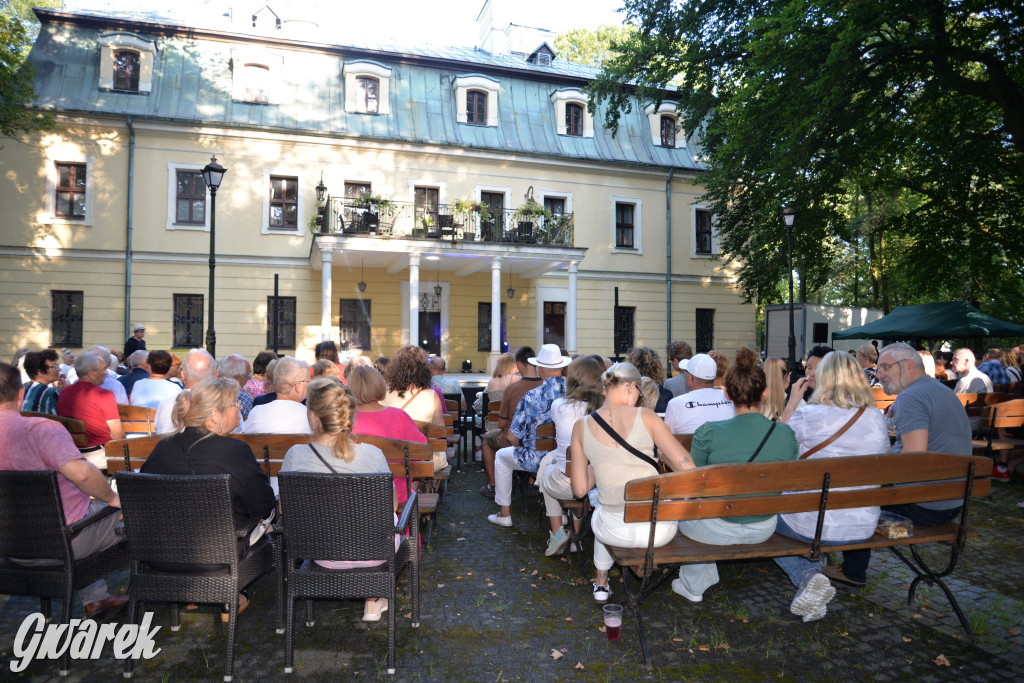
(703, 237)
(367, 86)
(480, 91)
(187, 197)
(126, 62)
(256, 75)
(69, 191)
(572, 117)
(666, 125)
(626, 224)
(283, 203)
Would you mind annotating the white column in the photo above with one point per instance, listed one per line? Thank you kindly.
(326, 260)
(492, 361)
(414, 299)
(570, 310)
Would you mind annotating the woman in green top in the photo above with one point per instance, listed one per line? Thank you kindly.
(734, 441)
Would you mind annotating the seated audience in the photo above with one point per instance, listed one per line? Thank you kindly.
(928, 360)
(111, 383)
(1012, 365)
(841, 401)
(67, 361)
(776, 373)
(197, 367)
(255, 386)
(496, 439)
(409, 387)
(332, 410)
(600, 459)
(285, 414)
(678, 353)
(970, 379)
(42, 392)
(87, 401)
(326, 368)
(236, 367)
(867, 356)
(138, 368)
(202, 417)
(803, 388)
(150, 391)
(721, 366)
(646, 360)
(445, 385)
(270, 394)
(36, 443)
(583, 395)
(702, 403)
(992, 365)
(747, 437)
(174, 374)
(504, 374)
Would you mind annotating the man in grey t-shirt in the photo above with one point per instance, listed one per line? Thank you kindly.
(928, 417)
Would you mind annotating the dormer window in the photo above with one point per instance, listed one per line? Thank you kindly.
(257, 83)
(367, 90)
(666, 125)
(126, 70)
(571, 115)
(573, 119)
(256, 75)
(476, 108)
(126, 62)
(668, 131)
(476, 100)
(367, 87)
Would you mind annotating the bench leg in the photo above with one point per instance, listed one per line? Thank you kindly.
(635, 595)
(924, 573)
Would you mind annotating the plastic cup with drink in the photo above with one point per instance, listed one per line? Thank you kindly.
(612, 621)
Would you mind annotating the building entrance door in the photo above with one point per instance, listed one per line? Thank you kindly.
(554, 323)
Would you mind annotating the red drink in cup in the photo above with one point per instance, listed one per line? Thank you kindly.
(612, 621)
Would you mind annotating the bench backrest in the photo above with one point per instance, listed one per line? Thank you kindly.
(709, 492)
(685, 439)
(1003, 415)
(975, 402)
(1009, 388)
(546, 437)
(74, 426)
(493, 407)
(882, 399)
(136, 419)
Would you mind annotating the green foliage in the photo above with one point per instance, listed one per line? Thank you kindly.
(592, 47)
(18, 31)
(896, 131)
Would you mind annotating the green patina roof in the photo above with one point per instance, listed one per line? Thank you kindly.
(192, 83)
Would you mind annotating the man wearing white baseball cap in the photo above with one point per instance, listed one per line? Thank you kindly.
(534, 409)
(701, 403)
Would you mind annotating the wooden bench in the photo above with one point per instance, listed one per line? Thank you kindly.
(576, 508)
(137, 419)
(994, 419)
(711, 492)
(74, 426)
(882, 399)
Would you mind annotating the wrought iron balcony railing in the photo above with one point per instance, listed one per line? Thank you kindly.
(341, 216)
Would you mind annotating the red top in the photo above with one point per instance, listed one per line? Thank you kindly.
(92, 405)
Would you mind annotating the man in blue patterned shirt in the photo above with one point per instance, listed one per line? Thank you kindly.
(533, 410)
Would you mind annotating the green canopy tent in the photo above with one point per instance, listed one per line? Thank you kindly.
(951, 320)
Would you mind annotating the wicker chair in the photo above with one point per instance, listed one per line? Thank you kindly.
(174, 519)
(345, 517)
(32, 526)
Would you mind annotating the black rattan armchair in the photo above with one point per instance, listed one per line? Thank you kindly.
(32, 526)
(346, 517)
(175, 520)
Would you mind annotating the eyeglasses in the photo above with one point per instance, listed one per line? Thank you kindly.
(884, 367)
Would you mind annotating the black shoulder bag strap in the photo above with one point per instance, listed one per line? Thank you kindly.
(317, 454)
(763, 441)
(622, 442)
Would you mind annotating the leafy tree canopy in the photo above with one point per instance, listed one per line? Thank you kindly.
(592, 47)
(18, 31)
(895, 129)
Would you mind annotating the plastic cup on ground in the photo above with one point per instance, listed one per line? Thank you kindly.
(612, 621)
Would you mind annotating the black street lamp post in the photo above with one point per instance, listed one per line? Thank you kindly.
(213, 174)
(789, 215)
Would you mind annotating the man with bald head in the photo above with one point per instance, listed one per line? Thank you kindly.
(972, 380)
(285, 414)
(197, 366)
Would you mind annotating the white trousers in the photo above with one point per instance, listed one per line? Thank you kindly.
(610, 529)
(554, 485)
(504, 465)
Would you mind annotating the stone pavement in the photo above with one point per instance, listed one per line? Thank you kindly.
(495, 609)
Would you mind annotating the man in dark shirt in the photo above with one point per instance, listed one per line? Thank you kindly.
(498, 438)
(135, 342)
(138, 368)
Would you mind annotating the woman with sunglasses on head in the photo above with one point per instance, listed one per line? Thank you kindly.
(612, 446)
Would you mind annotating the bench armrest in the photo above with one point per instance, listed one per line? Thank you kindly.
(75, 527)
(407, 512)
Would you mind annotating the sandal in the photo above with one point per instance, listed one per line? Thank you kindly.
(243, 604)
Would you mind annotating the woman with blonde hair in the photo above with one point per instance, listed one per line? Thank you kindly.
(202, 418)
(611, 446)
(928, 360)
(722, 367)
(408, 378)
(331, 410)
(776, 373)
(505, 373)
(840, 420)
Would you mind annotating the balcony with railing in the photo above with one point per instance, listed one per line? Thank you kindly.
(444, 222)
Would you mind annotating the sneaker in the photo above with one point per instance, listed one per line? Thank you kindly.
(573, 548)
(814, 616)
(556, 544)
(836, 573)
(1000, 473)
(814, 593)
(679, 589)
(500, 521)
(602, 593)
(373, 610)
(487, 491)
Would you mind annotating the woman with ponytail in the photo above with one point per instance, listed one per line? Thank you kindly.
(331, 410)
(202, 417)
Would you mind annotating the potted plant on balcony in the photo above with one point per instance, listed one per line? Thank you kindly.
(468, 207)
(378, 211)
(526, 217)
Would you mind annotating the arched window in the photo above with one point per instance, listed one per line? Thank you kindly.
(367, 91)
(573, 119)
(257, 83)
(126, 70)
(476, 108)
(668, 131)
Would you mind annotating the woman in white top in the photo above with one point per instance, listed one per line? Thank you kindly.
(408, 378)
(331, 410)
(583, 395)
(150, 392)
(599, 460)
(841, 397)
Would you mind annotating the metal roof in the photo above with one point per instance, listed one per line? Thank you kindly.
(192, 83)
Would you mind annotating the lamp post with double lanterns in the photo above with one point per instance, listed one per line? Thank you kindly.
(213, 174)
(789, 215)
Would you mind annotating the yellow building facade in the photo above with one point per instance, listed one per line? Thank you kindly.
(105, 224)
